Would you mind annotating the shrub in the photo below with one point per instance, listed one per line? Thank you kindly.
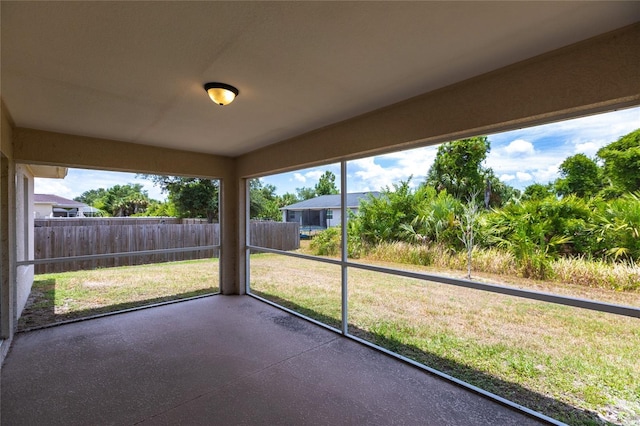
(435, 219)
(422, 215)
(327, 242)
(381, 219)
(618, 227)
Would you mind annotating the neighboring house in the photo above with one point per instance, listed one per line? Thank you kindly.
(47, 205)
(323, 211)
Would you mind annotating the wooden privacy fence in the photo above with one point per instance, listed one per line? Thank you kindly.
(82, 237)
(68, 241)
(275, 235)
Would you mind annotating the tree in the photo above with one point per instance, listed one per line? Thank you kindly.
(264, 204)
(468, 224)
(537, 231)
(160, 208)
(499, 192)
(326, 184)
(434, 217)
(126, 200)
(622, 162)
(305, 193)
(192, 197)
(381, 219)
(400, 213)
(287, 199)
(458, 167)
(119, 200)
(537, 191)
(91, 196)
(580, 175)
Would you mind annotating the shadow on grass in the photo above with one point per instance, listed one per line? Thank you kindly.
(40, 308)
(511, 391)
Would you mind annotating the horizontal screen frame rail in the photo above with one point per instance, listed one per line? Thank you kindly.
(593, 305)
(112, 255)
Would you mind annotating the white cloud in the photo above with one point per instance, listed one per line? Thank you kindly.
(522, 176)
(545, 175)
(553, 142)
(506, 177)
(370, 175)
(588, 148)
(289, 182)
(543, 159)
(519, 147)
(599, 130)
(314, 174)
(414, 162)
(310, 175)
(376, 173)
(54, 187)
(365, 168)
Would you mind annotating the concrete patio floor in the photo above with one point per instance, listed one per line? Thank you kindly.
(222, 360)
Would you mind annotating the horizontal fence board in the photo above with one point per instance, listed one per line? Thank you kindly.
(87, 236)
(91, 221)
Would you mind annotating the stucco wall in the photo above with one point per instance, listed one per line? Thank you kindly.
(24, 235)
(336, 220)
(7, 224)
(41, 211)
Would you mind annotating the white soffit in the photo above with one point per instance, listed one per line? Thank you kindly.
(51, 172)
(133, 71)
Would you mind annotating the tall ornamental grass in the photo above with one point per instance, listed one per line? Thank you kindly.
(587, 273)
(619, 276)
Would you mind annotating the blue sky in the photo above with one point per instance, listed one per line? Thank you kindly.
(518, 157)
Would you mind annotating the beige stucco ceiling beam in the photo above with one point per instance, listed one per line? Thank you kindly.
(42, 147)
(592, 76)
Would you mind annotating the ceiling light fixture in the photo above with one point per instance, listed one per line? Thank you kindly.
(220, 93)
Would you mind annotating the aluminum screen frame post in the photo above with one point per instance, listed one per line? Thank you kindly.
(344, 249)
(247, 237)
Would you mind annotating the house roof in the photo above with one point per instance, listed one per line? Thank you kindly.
(331, 201)
(56, 201)
(299, 66)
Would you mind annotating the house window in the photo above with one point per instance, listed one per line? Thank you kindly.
(291, 216)
(329, 214)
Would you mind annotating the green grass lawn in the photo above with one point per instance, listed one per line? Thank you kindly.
(572, 364)
(68, 295)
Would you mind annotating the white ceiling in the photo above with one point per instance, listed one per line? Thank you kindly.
(134, 71)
